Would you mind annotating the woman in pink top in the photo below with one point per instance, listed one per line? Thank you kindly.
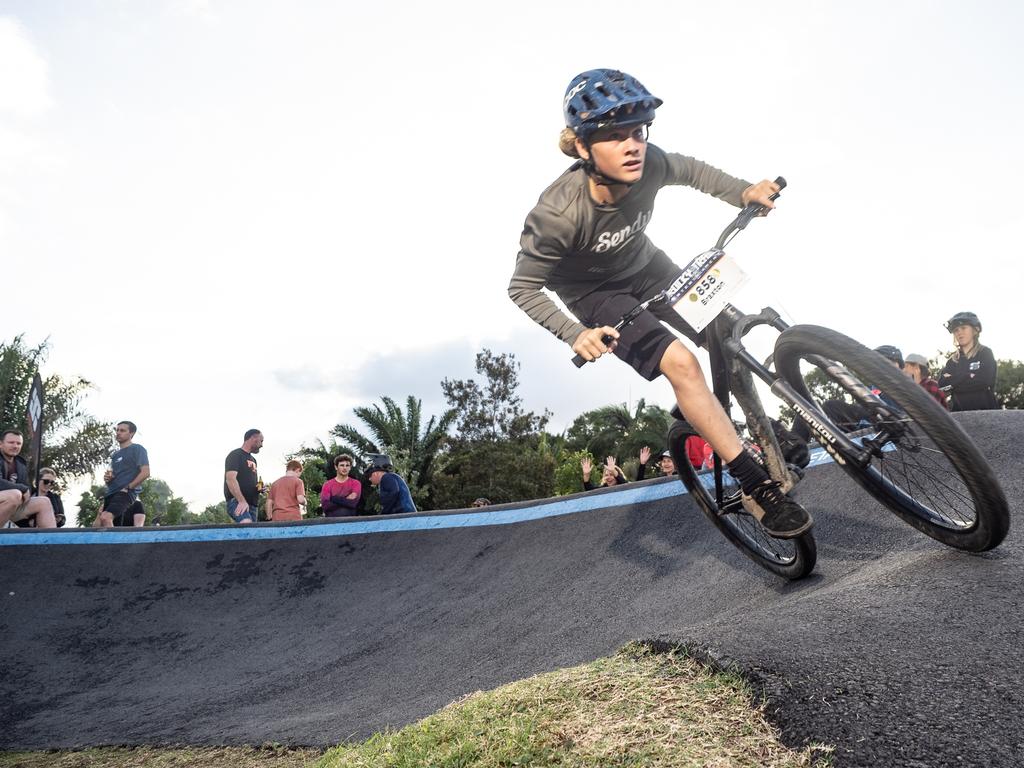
(340, 495)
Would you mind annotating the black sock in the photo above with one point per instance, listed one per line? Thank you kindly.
(747, 471)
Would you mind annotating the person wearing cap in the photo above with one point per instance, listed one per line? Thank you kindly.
(395, 497)
(667, 464)
(916, 367)
(970, 372)
(585, 241)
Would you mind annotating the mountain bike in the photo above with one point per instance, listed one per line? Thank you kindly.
(905, 449)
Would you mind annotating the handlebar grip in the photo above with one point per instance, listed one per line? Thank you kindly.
(781, 182)
(579, 361)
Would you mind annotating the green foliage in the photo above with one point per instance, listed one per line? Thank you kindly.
(313, 481)
(74, 442)
(491, 410)
(1010, 384)
(499, 450)
(89, 505)
(615, 431)
(501, 471)
(214, 514)
(162, 506)
(569, 474)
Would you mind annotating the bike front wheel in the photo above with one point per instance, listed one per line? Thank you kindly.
(789, 558)
(924, 467)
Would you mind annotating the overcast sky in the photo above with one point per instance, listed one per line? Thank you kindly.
(238, 214)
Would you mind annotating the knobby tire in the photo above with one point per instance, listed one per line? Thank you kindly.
(933, 477)
(789, 558)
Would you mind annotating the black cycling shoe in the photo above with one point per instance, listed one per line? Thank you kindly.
(780, 516)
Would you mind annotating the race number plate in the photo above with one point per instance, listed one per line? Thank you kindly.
(717, 282)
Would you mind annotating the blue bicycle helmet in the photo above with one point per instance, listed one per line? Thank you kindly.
(599, 98)
(891, 353)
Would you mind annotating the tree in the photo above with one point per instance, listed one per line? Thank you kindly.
(499, 450)
(613, 430)
(1010, 383)
(89, 505)
(74, 442)
(569, 474)
(214, 514)
(492, 411)
(413, 448)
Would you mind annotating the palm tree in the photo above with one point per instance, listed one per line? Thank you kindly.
(413, 448)
(618, 432)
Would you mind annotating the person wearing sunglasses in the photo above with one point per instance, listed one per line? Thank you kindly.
(48, 487)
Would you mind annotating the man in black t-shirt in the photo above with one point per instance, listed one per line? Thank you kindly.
(240, 479)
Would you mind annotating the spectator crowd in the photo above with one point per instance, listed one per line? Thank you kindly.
(965, 383)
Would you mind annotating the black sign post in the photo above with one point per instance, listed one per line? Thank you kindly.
(34, 422)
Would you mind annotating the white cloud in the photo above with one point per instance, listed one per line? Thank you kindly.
(24, 87)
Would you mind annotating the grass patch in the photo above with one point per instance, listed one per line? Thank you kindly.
(271, 756)
(637, 709)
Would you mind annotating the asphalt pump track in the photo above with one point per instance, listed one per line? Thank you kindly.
(898, 650)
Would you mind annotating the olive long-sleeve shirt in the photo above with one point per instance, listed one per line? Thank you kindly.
(571, 244)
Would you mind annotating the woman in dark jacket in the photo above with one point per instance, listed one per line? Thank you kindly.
(970, 372)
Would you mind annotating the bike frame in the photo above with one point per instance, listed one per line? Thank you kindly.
(732, 371)
(733, 366)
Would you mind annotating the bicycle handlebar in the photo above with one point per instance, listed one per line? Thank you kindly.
(747, 215)
(740, 222)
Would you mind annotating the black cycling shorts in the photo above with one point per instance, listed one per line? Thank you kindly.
(642, 344)
(124, 507)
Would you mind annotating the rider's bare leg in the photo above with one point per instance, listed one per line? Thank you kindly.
(778, 513)
(698, 403)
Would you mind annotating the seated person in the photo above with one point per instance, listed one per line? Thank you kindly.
(48, 488)
(18, 505)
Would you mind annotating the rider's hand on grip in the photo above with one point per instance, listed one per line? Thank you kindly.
(593, 343)
(754, 194)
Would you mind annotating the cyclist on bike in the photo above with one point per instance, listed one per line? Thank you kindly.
(585, 241)
(970, 372)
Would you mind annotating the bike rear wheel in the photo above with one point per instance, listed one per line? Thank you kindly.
(789, 558)
(925, 469)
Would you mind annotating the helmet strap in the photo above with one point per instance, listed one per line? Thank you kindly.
(601, 179)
